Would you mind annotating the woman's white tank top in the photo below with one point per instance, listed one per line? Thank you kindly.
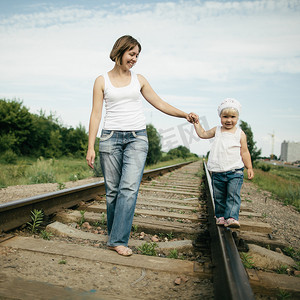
(225, 153)
(124, 108)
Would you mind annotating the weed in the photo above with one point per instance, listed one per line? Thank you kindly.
(46, 235)
(61, 185)
(293, 253)
(290, 251)
(194, 210)
(62, 262)
(170, 235)
(182, 212)
(264, 215)
(282, 269)
(135, 228)
(297, 266)
(173, 254)
(283, 295)
(103, 220)
(82, 219)
(36, 220)
(246, 260)
(148, 249)
(179, 220)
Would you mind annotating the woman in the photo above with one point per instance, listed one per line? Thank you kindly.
(123, 143)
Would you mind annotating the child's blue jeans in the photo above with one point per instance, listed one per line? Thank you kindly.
(122, 157)
(226, 191)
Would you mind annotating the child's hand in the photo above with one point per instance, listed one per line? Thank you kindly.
(250, 173)
(193, 118)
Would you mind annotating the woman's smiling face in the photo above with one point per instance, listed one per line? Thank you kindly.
(130, 57)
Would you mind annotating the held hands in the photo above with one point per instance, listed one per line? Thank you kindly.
(193, 118)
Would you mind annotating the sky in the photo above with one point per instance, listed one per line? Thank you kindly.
(194, 55)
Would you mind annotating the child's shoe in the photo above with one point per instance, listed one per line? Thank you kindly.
(232, 223)
(220, 221)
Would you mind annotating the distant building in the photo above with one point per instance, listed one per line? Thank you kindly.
(290, 151)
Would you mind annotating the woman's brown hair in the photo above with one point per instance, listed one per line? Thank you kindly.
(121, 45)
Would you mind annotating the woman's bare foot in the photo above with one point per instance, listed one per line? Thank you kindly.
(122, 250)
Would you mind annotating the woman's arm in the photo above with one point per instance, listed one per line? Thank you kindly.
(95, 119)
(203, 134)
(150, 95)
(246, 156)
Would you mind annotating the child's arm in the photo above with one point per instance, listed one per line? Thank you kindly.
(246, 156)
(204, 134)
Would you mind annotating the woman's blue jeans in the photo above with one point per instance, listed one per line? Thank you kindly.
(122, 157)
(226, 189)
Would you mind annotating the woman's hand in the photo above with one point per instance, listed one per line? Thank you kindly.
(250, 173)
(193, 118)
(90, 158)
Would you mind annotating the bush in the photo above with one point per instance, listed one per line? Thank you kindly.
(42, 172)
(43, 177)
(9, 157)
(265, 168)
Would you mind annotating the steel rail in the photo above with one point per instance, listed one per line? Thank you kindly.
(230, 278)
(16, 213)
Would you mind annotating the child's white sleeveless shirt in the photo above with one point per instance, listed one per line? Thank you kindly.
(225, 153)
(124, 108)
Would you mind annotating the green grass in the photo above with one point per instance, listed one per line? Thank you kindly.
(31, 171)
(282, 182)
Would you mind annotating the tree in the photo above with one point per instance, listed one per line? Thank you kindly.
(15, 126)
(36, 135)
(254, 152)
(45, 136)
(75, 141)
(180, 151)
(154, 151)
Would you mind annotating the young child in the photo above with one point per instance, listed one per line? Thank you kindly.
(228, 155)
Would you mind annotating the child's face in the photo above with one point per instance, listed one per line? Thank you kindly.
(229, 119)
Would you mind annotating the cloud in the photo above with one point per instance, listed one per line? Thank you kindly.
(204, 40)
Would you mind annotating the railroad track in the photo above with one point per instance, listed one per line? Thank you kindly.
(172, 220)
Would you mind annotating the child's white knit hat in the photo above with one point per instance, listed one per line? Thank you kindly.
(229, 103)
